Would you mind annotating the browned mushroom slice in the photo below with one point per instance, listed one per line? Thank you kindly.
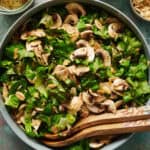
(71, 19)
(87, 98)
(110, 105)
(105, 55)
(31, 46)
(95, 109)
(36, 123)
(20, 96)
(105, 88)
(79, 71)
(114, 29)
(110, 20)
(75, 104)
(57, 21)
(119, 84)
(86, 34)
(72, 31)
(84, 52)
(35, 33)
(63, 73)
(98, 24)
(98, 142)
(75, 8)
(82, 43)
(5, 91)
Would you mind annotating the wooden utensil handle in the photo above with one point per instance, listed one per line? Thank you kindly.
(122, 115)
(107, 129)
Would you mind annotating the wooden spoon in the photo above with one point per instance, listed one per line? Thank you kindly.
(107, 129)
(122, 115)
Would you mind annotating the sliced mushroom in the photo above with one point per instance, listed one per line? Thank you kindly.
(84, 112)
(86, 34)
(36, 123)
(111, 107)
(82, 43)
(98, 142)
(57, 21)
(75, 8)
(119, 103)
(88, 26)
(95, 109)
(87, 98)
(75, 104)
(19, 117)
(114, 29)
(119, 84)
(5, 91)
(31, 46)
(73, 91)
(105, 55)
(84, 52)
(63, 73)
(44, 58)
(110, 20)
(34, 33)
(98, 24)
(72, 31)
(78, 71)
(105, 88)
(71, 19)
(20, 96)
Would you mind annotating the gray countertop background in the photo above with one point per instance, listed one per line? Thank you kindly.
(140, 141)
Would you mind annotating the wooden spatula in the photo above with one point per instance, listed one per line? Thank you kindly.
(123, 115)
(106, 129)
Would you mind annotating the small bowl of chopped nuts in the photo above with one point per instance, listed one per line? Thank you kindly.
(9, 7)
(141, 8)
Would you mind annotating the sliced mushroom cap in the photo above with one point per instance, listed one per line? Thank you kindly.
(120, 84)
(110, 105)
(75, 8)
(31, 46)
(86, 34)
(96, 145)
(84, 52)
(88, 26)
(5, 91)
(105, 88)
(110, 20)
(106, 57)
(75, 104)
(114, 29)
(71, 19)
(20, 96)
(95, 109)
(98, 24)
(57, 21)
(71, 30)
(86, 98)
(79, 71)
(36, 123)
(34, 33)
(63, 73)
(82, 43)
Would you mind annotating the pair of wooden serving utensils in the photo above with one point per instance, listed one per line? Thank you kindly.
(123, 121)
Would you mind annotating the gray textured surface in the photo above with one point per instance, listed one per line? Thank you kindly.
(8, 141)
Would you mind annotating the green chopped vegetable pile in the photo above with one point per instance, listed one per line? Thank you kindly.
(43, 69)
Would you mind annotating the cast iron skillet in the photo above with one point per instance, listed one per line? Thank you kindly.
(31, 142)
